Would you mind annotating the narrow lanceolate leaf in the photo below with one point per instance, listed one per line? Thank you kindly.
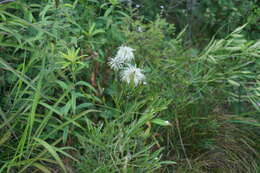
(161, 122)
(70, 121)
(20, 76)
(48, 116)
(256, 124)
(52, 151)
(39, 157)
(66, 154)
(35, 103)
(5, 137)
(234, 83)
(41, 168)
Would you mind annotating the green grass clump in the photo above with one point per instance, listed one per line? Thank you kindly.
(62, 109)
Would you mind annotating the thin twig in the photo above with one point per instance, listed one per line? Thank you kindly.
(6, 1)
(7, 123)
(182, 145)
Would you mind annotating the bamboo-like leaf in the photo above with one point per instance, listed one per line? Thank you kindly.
(41, 167)
(75, 117)
(52, 151)
(161, 122)
(39, 157)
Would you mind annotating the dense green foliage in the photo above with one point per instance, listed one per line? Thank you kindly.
(206, 18)
(62, 109)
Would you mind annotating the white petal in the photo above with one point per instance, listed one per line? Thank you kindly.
(132, 73)
(125, 54)
(115, 63)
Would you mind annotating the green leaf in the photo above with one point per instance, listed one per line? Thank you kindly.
(234, 83)
(86, 84)
(52, 151)
(62, 84)
(5, 137)
(246, 122)
(161, 122)
(108, 11)
(41, 167)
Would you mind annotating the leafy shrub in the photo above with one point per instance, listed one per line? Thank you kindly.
(206, 18)
(223, 76)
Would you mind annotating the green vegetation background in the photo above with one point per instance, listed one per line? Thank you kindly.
(63, 110)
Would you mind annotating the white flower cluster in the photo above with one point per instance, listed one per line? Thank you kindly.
(124, 55)
(128, 72)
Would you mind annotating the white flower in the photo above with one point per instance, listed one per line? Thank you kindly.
(132, 73)
(125, 54)
(139, 29)
(115, 63)
(167, 123)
